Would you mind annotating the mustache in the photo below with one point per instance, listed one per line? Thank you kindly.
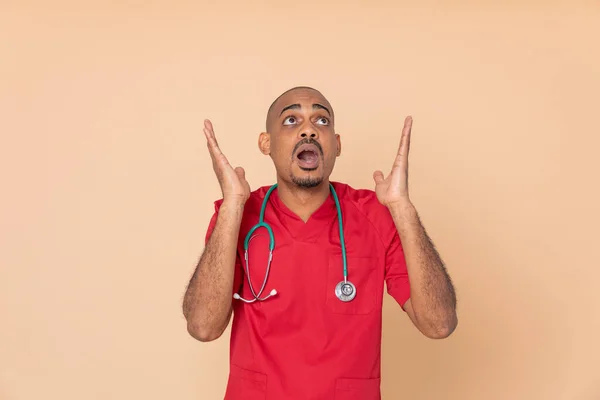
(308, 141)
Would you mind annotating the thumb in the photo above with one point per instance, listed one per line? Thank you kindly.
(378, 177)
(240, 172)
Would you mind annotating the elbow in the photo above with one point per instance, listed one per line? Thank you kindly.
(439, 333)
(202, 333)
(443, 329)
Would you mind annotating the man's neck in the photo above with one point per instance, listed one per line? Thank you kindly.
(303, 201)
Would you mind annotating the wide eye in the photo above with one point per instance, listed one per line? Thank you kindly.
(323, 121)
(289, 121)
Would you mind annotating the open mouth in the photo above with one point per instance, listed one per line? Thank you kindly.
(308, 157)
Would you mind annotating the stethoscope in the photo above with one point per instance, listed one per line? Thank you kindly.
(345, 290)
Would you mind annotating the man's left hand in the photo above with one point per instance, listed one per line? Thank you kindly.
(394, 189)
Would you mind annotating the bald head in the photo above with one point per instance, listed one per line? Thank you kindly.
(289, 99)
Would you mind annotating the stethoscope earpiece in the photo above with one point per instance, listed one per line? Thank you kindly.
(238, 297)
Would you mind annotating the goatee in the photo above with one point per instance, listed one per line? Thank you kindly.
(307, 183)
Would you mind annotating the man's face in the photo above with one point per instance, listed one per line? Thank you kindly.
(301, 138)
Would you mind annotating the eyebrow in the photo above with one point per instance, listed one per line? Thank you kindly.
(296, 106)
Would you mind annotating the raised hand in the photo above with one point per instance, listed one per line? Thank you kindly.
(394, 188)
(233, 182)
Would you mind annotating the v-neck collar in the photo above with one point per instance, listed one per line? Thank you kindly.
(310, 230)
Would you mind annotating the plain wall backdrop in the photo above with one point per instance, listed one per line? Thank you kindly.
(107, 185)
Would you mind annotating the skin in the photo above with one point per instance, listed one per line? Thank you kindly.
(298, 115)
(286, 128)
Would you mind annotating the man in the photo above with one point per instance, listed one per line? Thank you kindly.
(308, 316)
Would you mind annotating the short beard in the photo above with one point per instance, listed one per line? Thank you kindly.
(307, 183)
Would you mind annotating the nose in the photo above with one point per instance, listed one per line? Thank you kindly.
(309, 132)
(311, 135)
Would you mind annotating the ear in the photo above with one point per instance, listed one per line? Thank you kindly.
(264, 143)
(339, 145)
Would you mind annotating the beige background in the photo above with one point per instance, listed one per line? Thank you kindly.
(107, 186)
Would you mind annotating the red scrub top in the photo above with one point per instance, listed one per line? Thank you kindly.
(304, 343)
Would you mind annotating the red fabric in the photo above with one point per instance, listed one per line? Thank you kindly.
(304, 343)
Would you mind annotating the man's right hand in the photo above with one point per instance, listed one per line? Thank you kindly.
(234, 186)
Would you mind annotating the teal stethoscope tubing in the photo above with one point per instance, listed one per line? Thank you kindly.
(262, 224)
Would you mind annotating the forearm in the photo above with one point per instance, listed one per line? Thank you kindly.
(208, 301)
(433, 298)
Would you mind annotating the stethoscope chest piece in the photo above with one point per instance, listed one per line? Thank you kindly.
(345, 290)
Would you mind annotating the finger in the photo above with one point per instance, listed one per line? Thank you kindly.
(211, 142)
(404, 147)
(208, 127)
(378, 177)
(405, 138)
(209, 132)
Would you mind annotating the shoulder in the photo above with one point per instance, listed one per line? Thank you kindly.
(364, 203)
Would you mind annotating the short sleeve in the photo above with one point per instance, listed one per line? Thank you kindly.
(396, 274)
(237, 276)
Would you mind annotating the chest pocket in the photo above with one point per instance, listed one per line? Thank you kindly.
(363, 274)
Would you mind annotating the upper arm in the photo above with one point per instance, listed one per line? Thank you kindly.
(410, 311)
(397, 279)
(396, 273)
